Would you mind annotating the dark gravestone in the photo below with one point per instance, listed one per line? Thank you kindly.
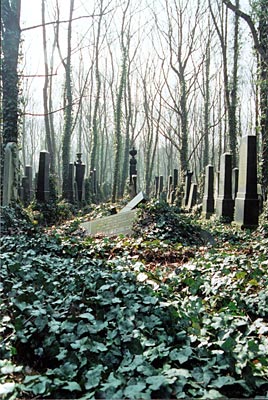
(10, 192)
(133, 173)
(25, 191)
(29, 175)
(139, 198)
(42, 187)
(71, 187)
(208, 199)
(187, 186)
(161, 185)
(79, 178)
(156, 186)
(235, 174)
(246, 202)
(175, 178)
(192, 196)
(225, 203)
(169, 188)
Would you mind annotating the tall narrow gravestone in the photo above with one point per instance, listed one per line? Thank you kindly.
(225, 203)
(42, 190)
(79, 177)
(208, 199)
(71, 188)
(246, 202)
(9, 178)
(29, 174)
(188, 180)
(235, 173)
(192, 196)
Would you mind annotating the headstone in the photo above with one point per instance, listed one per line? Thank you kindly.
(192, 196)
(225, 203)
(188, 179)
(246, 202)
(169, 188)
(29, 174)
(79, 178)
(156, 186)
(175, 178)
(133, 173)
(120, 223)
(139, 198)
(208, 199)
(235, 173)
(161, 185)
(25, 191)
(71, 188)
(133, 187)
(10, 192)
(42, 189)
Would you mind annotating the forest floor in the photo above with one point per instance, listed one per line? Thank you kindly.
(179, 310)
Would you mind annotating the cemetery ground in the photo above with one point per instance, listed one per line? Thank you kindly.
(178, 310)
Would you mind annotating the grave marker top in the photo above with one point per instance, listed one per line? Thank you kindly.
(139, 198)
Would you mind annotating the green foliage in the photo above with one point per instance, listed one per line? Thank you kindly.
(133, 318)
(15, 219)
(165, 222)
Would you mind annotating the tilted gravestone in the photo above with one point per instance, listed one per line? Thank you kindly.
(208, 199)
(139, 198)
(246, 202)
(225, 203)
(42, 189)
(187, 187)
(10, 192)
(120, 223)
(192, 196)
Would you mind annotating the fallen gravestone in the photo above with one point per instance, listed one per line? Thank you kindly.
(139, 198)
(120, 223)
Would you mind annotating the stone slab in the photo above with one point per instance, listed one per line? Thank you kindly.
(117, 224)
(140, 198)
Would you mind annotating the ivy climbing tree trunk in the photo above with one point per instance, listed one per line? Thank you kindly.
(10, 28)
(68, 117)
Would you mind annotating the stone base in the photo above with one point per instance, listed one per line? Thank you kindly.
(206, 215)
(246, 213)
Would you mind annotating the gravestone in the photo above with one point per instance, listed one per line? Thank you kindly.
(133, 173)
(246, 202)
(169, 188)
(188, 179)
(138, 199)
(79, 178)
(10, 192)
(156, 186)
(25, 191)
(208, 199)
(161, 186)
(192, 196)
(71, 186)
(175, 178)
(120, 223)
(29, 175)
(225, 203)
(235, 174)
(42, 187)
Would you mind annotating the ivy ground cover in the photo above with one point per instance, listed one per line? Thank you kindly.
(152, 317)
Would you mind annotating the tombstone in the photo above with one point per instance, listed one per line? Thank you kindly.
(10, 192)
(161, 185)
(175, 178)
(169, 188)
(71, 187)
(79, 178)
(29, 175)
(133, 187)
(188, 179)
(208, 198)
(25, 191)
(42, 187)
(224, 202)
(235, 173)
(192, 196)
(156, 186)
(120, 223)
(133, 173)
(246, 202)
(139, 198)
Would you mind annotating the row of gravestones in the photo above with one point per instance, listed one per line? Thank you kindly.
(41, 187)
(236, 196)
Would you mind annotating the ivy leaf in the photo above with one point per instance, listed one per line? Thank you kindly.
(93, 377)
(156, 381)
(72, 386)
(134, 391)
(87, 316)
(181, 355)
